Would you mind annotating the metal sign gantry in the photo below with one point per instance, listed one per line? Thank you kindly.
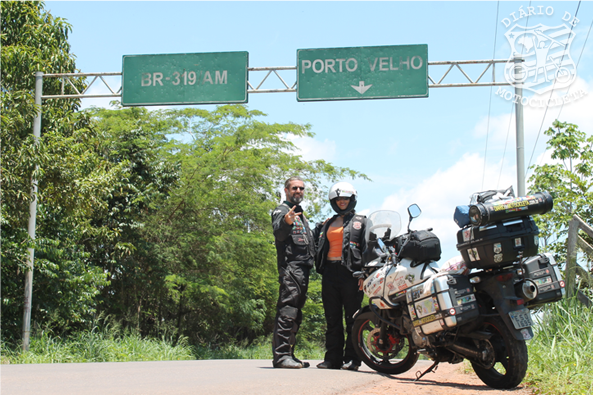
(107, 90)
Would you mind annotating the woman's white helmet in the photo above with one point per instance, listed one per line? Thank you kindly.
(342, 189)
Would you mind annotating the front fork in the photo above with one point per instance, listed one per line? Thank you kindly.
(383, 336)
(501, 290)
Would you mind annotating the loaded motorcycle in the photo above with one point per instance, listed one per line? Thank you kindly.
(475, 307)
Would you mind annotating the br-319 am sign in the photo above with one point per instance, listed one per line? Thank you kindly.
(385, 72)
(194, 78)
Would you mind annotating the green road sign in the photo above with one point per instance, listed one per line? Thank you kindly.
(193, 78)
(386, 72)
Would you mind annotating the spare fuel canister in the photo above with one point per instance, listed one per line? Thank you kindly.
(485, 213)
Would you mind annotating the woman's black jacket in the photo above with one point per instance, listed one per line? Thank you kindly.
(353, 243)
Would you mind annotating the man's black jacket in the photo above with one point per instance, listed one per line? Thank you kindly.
(294, 243)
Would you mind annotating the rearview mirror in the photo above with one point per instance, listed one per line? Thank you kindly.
(414, 211)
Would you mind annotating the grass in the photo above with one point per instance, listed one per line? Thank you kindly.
(260, 349)
(106, 345)
(111, 345)
(561, 353)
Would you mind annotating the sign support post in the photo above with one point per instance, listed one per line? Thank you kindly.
(32, 219)
(519, 125)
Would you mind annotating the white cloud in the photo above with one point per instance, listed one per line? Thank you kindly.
(501, 128)
(579, 111)
(538, 119)
(439, 194)
(312, 149)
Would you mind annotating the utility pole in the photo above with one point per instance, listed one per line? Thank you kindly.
(32, 218)
(519, 78)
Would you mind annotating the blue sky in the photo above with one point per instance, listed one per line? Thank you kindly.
(433, 151)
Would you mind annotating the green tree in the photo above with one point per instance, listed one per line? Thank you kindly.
(208, 264)
(72, 179)
(136, 139)
(569, 180)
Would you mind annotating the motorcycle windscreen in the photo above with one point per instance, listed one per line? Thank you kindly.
(379, 222)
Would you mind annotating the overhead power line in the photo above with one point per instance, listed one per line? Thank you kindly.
(553, 88)
(490, 101)
(505, 145)
(512, 110)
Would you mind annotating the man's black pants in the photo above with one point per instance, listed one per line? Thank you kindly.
(294, 282)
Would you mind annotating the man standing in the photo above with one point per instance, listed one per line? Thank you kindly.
(295, 250)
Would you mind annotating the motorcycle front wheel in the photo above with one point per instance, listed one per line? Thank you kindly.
(507, 364)
(394, 355)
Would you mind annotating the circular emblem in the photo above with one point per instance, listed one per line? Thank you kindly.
(357, 225)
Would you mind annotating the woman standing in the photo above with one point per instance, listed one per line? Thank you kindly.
(340, 242)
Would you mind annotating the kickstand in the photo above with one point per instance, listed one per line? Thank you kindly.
(433, 368)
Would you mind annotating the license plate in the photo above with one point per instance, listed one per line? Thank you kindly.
(521, 318)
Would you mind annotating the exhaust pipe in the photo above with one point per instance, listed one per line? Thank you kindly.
(469, 352)
(526, 290)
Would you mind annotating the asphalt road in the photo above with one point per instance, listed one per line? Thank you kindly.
(184, 377)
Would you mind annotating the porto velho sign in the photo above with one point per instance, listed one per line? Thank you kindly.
(194, 78)
(385, 72)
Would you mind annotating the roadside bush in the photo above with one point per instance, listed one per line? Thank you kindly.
(561, 353)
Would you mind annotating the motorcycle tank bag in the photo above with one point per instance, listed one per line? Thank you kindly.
(422, 246)
(498, 245)
(543, 271)
(490, 212)
(442, 302)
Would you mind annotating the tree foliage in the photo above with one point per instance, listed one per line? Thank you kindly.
(72, 179)
(570, 181)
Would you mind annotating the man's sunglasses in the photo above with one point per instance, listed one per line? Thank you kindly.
(299, 188)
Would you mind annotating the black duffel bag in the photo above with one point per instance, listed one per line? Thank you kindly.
(422, 246)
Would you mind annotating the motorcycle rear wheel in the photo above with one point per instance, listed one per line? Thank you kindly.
(397, 356)
(509, 359)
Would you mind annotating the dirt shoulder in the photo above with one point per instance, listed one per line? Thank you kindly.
(447, 380)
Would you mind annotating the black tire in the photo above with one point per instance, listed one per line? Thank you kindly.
(508, 363)
(397, 357)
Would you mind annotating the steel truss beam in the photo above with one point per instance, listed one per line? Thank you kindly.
(458, 64)
(281, 85)
(67, 81)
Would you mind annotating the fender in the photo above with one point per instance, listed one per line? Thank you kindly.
(500, 289)
(364, 309)
(377, 319)
(367, 309)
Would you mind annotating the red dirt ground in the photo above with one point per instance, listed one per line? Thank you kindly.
(447, 380)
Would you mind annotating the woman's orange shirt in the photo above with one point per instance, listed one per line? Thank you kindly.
(335, 235)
